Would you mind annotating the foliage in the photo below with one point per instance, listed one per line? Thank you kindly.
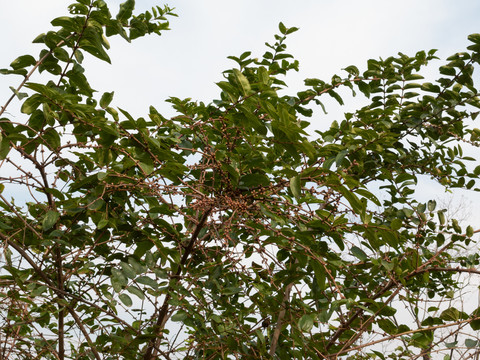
(231, 230)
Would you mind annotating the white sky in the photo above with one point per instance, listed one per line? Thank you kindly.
(189, 59)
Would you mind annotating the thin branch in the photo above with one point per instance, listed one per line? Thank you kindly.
(27, 77)
(392, 337)
(163, 314)
(47, 280)
(281, 315)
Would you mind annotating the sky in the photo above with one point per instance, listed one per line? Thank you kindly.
(189, 59)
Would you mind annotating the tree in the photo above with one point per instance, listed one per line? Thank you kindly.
(229, 230)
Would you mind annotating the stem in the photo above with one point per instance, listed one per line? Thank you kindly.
(61, 315)
(281, 315)
(154, 344)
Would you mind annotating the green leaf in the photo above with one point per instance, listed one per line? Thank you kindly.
(352, 70)
(379, 354)
(23, 61)
(52, 138)
(124, 298)
(39, 290)
(67, 23)
(102, 223)
(291, 30)
(142, 247)
(441, 217)
(450, 314)
(408, 212)
(180, 316)
(106, 99)
(126, 10)
(80, 81)
(306, 322)
(263, 75)
(136, 291)
(413, 77)
(147, 168)
(145, 280)
(31, 104)
(340, 156)
(422, 339)
(229, 89)
(320, 274)
(367, 194)
(388, 326)
(50, 219)
(475, 323)
(355, 203)
(447, 70)
(474, 38)
(92, 42)
(295, 186)
(471, 343)
(364, 88)
(127, 270)
(387, 310)
(430, 87)
(118, 280)
(456, 226)
(18, 94)
(21, 72)
(396, 224)
(358, 253)
(469, 231)
(451, 345)
(336, 96)
(253, 181)
(242, 81)
(4, 147)
(139, 268)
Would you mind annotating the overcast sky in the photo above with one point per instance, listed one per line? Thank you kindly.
(189, 59)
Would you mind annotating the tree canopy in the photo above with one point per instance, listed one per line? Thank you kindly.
(232, 230)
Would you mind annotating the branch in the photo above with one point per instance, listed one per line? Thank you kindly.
(423, 268)
(154, 344)
(27, 77)
(447, 269)
(321, 92)
(47, 280)
(370, 320)
(281, 315)
(392, 337)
